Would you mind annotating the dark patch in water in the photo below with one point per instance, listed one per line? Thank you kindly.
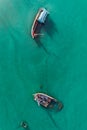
(24, 125)
(50, 27)
(52, 119)
(60, 106)
(40, 44)
(41, 87)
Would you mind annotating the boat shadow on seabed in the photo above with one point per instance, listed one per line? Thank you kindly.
(40, 44)
(50, 28)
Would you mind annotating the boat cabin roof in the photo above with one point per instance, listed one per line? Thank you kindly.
(43, 15)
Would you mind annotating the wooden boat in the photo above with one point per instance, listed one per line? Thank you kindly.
(38, 22)
(47, 101)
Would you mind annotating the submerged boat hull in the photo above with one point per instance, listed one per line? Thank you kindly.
(46, 101)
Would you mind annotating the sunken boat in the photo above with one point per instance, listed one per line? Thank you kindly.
(39, 21)
(47, 101)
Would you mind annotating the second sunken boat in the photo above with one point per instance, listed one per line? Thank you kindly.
(47, 101)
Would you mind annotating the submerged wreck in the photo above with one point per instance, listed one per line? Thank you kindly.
(47, 101)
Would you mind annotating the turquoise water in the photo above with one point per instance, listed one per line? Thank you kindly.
(57, 63)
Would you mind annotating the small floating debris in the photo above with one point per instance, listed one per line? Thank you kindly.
(24, 124)
(38, 22)
(47, 101)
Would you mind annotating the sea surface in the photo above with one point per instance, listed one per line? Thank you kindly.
(55, 64)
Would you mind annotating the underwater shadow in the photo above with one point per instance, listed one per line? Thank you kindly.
(53, 120)
(40, 44)
(37, 38)
(50, 27)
